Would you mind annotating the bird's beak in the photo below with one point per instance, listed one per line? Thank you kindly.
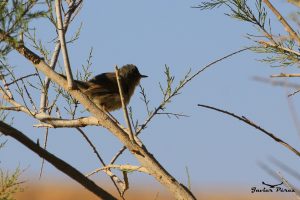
(143, 76)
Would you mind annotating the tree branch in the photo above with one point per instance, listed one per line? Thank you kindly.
(271, 44)
(129, 168)
(124, 106)
(49, 121)
(72, 8)
(62, 41)
(285, 75)
(21, 78)
(247, 121)
(112, 176)
(55, 161)
(286, 26)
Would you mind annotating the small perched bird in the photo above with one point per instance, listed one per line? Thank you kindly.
(103, 89)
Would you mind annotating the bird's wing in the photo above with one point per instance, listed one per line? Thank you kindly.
(105, 82)
(98, 90)
(81, 84)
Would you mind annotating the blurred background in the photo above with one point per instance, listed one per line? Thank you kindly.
(223, 157)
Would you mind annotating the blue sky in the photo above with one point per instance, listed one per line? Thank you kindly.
(217, 149)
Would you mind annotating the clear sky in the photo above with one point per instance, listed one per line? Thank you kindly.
(217, 149)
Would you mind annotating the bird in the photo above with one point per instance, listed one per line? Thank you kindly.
(103, 89)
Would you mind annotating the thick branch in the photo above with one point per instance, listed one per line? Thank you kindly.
(49, 121)
(55, 161)
(247, 121)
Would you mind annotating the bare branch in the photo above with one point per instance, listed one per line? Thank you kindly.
(44, 147)
(285, 75)
(21, 78)
(62, 41)
(112, 176)
(293, 172)
(129, 168)
(288, 185)
(72, 8)
(29, 97)
(124, 106)
(169, 114)
(51, 122)
(55, 161)
(247, 121)
(10, 108)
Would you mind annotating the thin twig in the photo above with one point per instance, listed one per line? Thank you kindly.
(183, 84)
(124, 106)
(247, 121)
(285, 167)
(62, 41)
(285, 75)
(14, 108)
(21, 78)
(293, 93)
(288, 185)
(19, 90)
(286, 26)
(29, 96)
(145, 99)
(44, 147)
(129, 168)
(177, 115)
(113, 160)
(112, 176)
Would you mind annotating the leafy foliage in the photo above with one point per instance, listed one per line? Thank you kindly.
(9, 184)
(15, 16)
(282, 50)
